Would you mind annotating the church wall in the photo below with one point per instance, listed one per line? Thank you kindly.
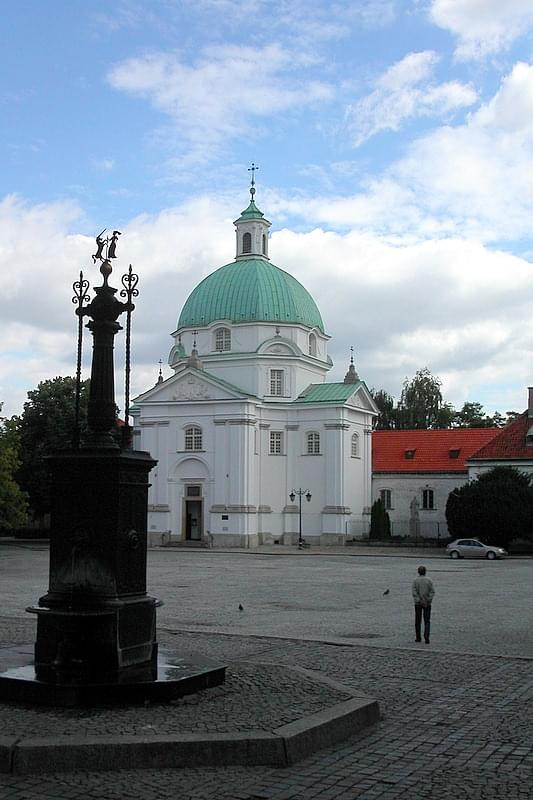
(245, 490)
(248, 338)
(222, 467)
(253, 375)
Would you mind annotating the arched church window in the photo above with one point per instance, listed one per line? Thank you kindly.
(312, 344)
(247, 243)
(355, 445)
(313, 444)
(193, 438)
(222, 339)
(264, 244)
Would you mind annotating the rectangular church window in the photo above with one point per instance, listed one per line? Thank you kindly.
(276, 443)
(276, 382)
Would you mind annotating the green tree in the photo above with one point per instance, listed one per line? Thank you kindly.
(387, 413)
(421, 405)
(379, 521)
(510, 416)
(496, 507)
(13, 501)
(47, 423)
(472, 415)
(497, 420)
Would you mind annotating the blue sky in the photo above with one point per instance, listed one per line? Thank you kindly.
(395, 145)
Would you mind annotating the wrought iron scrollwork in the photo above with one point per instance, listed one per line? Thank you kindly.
(129, 282)
(80, 296)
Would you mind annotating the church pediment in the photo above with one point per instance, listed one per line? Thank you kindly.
(191, 385)
(191, 388)
(362, 399)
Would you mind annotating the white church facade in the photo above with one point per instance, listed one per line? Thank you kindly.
(247, 418)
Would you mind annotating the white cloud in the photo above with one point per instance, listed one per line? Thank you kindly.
(483, 27)
(473, 180)
(103, 164)
(451, 304)
(403, 92)
(223, 92)
(40, 259)
(477, 178)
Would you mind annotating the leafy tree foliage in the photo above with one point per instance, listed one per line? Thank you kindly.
(387, 412)
(496, 508)
(47, 424)
(472, 415)
(13, 501)
(421, 406)
(379, 521)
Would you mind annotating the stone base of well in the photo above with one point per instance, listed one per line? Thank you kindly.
(169, 679)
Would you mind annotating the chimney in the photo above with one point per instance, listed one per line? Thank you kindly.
(529, 434)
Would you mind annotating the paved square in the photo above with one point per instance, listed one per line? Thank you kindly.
(457, 718)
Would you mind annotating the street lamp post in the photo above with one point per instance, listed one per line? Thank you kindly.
(300, 493)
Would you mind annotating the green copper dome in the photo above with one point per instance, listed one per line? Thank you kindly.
(250, 290)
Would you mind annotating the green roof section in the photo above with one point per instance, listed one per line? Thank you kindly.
(250, 290)
(328, 392)
(252, 212)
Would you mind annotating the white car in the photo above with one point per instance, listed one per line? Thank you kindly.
(473, 548)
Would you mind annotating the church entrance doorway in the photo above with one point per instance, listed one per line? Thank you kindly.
(193, 513)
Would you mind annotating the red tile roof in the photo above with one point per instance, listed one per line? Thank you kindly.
(510, 443)
(434, 451)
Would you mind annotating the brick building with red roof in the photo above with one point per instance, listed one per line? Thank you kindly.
(413, 471)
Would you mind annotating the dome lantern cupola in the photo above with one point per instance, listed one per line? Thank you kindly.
(252, 228)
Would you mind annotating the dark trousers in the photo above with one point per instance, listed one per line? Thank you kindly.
(419, 612)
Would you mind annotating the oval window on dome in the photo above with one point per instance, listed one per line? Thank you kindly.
(247, 243)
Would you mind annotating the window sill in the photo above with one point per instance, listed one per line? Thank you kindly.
(190, 451)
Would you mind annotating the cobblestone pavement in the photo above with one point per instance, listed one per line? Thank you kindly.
(457, 715)
(454, 726)
(254, 697)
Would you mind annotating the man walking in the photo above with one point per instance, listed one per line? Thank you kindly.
(423, 593)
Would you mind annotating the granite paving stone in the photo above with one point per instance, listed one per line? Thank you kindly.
(456, 721)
